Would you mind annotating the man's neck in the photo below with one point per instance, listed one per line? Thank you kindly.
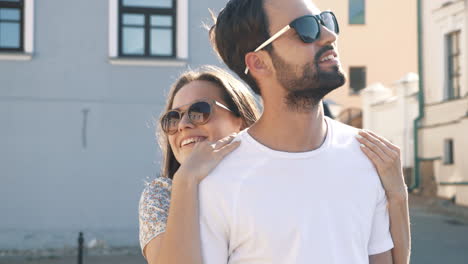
(281, 129)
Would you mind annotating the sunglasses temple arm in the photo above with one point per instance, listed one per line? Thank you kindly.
(270, 40)
(273, 38)
(222, 106)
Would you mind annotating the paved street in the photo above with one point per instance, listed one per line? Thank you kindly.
(133, 259)
(440, 236)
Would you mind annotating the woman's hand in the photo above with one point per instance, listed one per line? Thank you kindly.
(205, 157)
(387, 160)
(183, 227)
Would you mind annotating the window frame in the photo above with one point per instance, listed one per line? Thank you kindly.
(453, 90)
(147, 12)
(448, 157)
(350, 21)
(20, 6)
(351, 90)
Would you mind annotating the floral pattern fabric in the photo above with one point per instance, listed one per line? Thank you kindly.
(153, 209)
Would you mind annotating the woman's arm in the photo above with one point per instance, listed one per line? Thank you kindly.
(386, 158)
(399, 226)
(180, 243)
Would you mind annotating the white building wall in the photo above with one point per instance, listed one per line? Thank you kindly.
(392, 115)
(52, 184)
(445, 119)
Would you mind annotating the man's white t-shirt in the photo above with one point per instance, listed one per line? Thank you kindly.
(325, 206)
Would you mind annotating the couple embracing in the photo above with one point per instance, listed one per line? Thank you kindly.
(289, 185)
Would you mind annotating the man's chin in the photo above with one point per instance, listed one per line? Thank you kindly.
(334, 78)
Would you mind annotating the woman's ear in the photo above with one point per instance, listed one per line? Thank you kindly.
(240, 124)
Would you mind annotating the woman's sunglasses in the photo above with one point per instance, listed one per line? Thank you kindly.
(307, 27)
(198, 113)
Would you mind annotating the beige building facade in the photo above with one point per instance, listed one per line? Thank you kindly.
(444, 128)
(377, 43)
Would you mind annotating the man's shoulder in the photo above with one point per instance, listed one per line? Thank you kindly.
(343, 133)
(348, 147)
(342, 129)
(233, 168)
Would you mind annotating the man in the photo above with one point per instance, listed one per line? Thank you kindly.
(298, 189)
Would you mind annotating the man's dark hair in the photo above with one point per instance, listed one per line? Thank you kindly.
(240, 28)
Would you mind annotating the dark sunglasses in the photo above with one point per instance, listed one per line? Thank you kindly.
(198, 113)
(307, 27)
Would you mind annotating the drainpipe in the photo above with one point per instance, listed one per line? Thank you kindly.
(453, 183)
(417, 121)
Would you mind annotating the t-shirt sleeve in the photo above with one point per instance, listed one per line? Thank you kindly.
(153, 210)
(380, 240)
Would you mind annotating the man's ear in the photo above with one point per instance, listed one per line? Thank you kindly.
(258, 63)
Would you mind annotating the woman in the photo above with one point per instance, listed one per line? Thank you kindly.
(212, 104)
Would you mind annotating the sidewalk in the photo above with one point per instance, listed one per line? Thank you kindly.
(439, 231)
(132, 259)
(438, 206)
(92, 256)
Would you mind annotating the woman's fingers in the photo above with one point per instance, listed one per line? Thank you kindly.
(224, 141)
(228, 149)
(385, 141)
(207, 155)
(389, 169)
(375, 145)
(375, 159)
(386, 146)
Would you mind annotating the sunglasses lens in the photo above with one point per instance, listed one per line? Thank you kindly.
(329, 21)
(170, 121)
(307, 28)
(199, 112)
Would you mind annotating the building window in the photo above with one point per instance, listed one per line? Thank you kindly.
(448, 151)
(11, 25)
(357, 12)
(147, 28)
(453, 65)
(357, 79)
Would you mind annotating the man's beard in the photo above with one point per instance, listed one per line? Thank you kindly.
(306, 92)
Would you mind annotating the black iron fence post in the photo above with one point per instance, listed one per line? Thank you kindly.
(80, 248)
